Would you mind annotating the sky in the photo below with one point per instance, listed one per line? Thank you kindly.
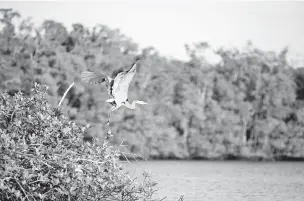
(168, 25)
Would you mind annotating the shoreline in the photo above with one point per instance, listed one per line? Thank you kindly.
(248, 159)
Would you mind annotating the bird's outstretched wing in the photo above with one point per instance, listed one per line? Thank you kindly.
(94, 78)
(122, 82)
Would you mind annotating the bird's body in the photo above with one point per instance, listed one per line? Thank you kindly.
(117, 87)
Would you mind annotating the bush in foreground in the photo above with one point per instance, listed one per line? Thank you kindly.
(43, 157)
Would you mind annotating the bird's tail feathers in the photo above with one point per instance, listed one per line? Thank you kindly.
(110, 100)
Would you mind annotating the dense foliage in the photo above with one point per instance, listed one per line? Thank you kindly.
(247, 106)
(43, 157)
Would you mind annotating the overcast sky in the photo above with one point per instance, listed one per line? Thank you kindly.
(168, 25)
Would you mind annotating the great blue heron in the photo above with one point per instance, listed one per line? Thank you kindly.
(117, 87)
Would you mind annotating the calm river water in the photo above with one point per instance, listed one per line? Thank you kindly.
(225, 181)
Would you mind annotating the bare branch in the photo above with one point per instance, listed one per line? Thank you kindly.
(65, 93)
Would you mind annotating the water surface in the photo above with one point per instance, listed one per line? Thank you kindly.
(225, 180)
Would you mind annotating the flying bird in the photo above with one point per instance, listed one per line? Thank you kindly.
(117, 87)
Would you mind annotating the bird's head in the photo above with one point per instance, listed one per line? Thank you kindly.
(132, 106)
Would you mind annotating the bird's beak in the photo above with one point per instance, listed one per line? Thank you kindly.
(143, 103)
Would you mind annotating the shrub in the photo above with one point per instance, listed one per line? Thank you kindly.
(43, 157)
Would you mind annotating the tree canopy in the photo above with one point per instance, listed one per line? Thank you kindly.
(249, 105)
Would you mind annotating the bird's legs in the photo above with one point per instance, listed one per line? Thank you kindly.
(109, 117)
(108, 123)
